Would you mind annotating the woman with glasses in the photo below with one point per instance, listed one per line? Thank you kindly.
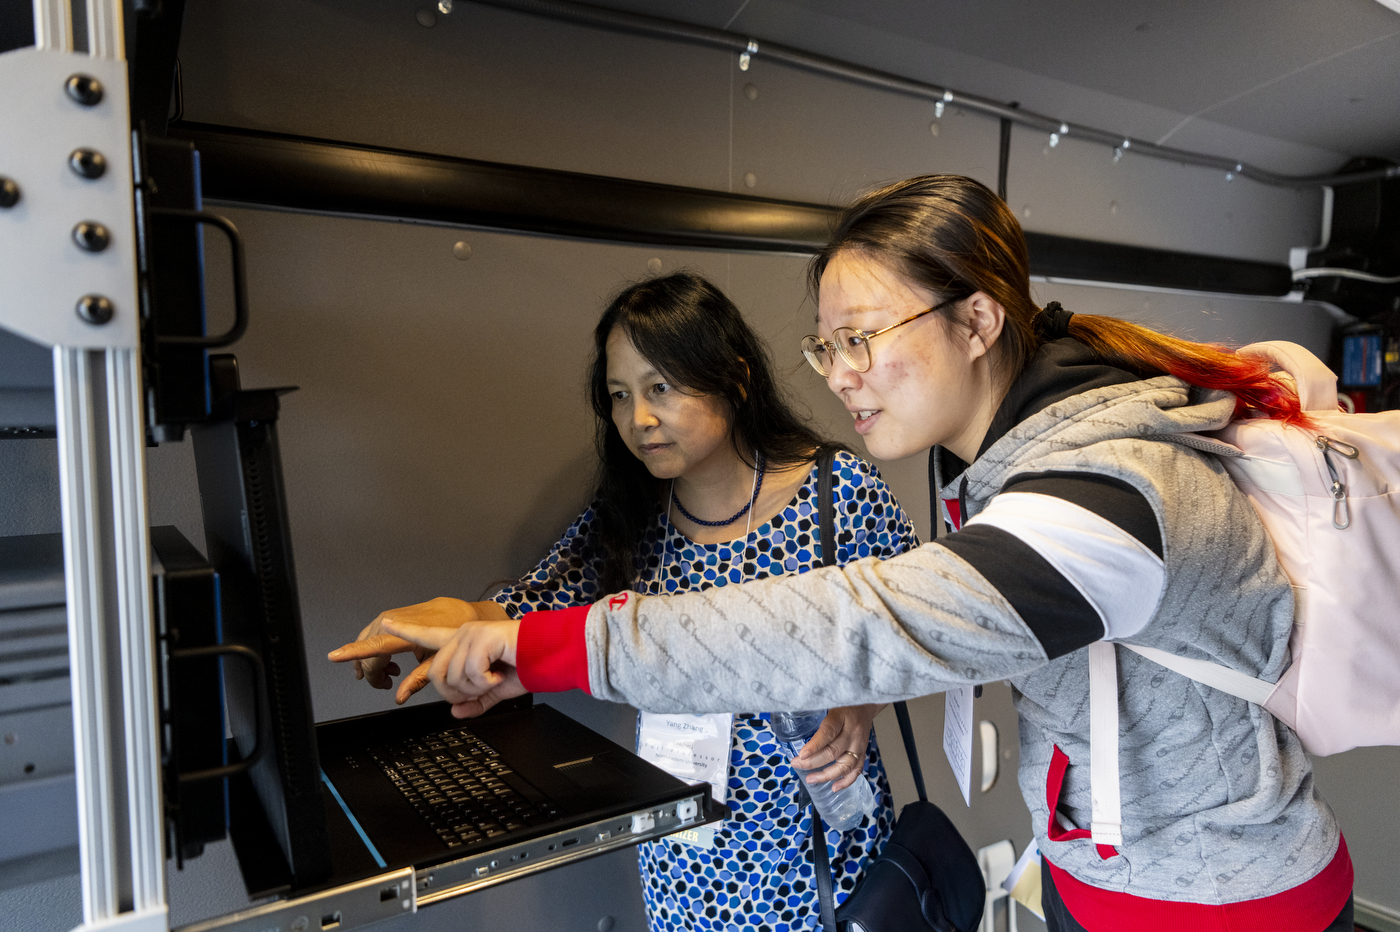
(707, 479)
(1062, 449)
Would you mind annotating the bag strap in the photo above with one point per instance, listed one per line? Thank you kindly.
(901, 712)
(1107, 814)
(821, 867)
(827, 508)
(1106, 809)
(1214, 675)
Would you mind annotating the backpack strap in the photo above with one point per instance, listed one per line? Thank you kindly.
(1214, 675)
(1107, 813)
(1316, 384)
(1107, 809)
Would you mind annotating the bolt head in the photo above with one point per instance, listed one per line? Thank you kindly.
(91, 236)
(9, 192)
(88, 163)
(85, 89)
(95, 309)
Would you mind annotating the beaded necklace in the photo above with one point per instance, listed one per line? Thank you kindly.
(757, 485)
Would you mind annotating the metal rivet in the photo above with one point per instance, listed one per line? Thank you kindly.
(426, 18)
(95, 309)
(462, 250)
(89, 163)
(933, 128)
(444, 7)
(91, 236)
(750, 180)
(300, 924)
(9, 192)
(751, 91)
(85, 89)
(606, 924)
(653, 265)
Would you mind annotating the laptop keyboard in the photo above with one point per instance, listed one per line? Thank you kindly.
(460, 785)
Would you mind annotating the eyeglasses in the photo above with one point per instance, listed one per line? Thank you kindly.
(853, 344)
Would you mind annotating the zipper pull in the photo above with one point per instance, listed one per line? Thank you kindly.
(1336, 446)
(1341, 515)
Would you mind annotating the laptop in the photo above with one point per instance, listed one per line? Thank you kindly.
(359, 819)
(486, 800)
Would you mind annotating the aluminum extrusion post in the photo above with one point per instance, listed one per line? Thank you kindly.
(69, 235)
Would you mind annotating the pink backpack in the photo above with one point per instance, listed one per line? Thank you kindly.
(1330, 501)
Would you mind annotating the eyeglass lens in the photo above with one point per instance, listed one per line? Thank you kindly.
(853, 347)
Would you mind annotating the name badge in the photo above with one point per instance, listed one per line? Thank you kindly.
(693, 748)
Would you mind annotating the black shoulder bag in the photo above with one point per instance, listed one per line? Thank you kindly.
(926, 877)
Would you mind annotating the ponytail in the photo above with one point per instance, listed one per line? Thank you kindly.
(1206, 365)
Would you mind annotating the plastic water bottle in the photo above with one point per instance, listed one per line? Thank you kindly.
(842, 810)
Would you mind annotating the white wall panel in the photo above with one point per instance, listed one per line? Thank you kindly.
(1077, 189)
(814, 138)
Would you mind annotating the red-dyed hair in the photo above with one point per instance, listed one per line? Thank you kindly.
(1207, 365)
(954, 237)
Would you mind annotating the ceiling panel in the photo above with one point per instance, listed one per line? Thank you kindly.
(1317, 73)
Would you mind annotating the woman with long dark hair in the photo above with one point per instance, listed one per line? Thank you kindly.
(1085, 517)
(706, 478)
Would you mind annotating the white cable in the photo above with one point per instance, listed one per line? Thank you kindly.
(1345, 273)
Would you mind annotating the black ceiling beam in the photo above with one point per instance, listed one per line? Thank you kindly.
(296, 173)
(309, 174)
(1064, 257)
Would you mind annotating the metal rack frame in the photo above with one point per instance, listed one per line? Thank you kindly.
(100, 431)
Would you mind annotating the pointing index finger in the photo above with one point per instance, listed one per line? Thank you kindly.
(375, 646)
(429, 636)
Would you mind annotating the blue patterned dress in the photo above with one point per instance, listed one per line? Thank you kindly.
(758, 875)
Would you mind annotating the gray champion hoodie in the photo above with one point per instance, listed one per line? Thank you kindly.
(1218, 799)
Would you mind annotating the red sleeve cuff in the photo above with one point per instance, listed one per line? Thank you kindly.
(551, 655)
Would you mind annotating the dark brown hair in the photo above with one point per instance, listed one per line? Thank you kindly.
(695, 337)
(952, 236)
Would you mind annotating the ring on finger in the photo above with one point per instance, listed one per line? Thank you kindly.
(854, 756)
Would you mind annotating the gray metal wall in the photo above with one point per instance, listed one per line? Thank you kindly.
(440, 439)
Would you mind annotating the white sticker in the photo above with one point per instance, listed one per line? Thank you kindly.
(693, 748)
(957, 737)
(1024, 881)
